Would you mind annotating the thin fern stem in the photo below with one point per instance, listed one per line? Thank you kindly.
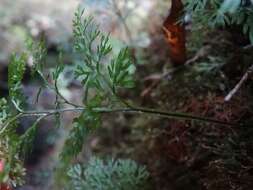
(139, 110)
(9, 121)
(62, 97)
(55, 89)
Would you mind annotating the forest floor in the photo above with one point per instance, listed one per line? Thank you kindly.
(187, 154)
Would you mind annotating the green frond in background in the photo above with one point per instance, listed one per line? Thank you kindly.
(222, 13)
(109, 175)
(38, 53)
(230, 6)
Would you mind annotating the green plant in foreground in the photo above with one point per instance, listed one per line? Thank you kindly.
(10, 163)
(109, 175)
(102, 76)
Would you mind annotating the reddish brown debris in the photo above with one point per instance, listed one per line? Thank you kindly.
(175, 33)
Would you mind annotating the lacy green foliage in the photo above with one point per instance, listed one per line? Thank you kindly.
(119, 71)
(27, 139)
(104, 77)
(10, 142)
(38, 53)
(94, 47)
(221, 13)
(230, 6)
(108, 175)
(87, 122)
(13, 172)
(86, 34)
(13, 167)
(4, 114)
(203, 11)
(16, 71)
(13, 146)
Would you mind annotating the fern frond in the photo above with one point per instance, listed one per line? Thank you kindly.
(87, 122)
(108, 175)
(16, 70)
(38, 53)
(119, 70)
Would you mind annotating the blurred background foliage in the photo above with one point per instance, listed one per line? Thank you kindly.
(54, 19)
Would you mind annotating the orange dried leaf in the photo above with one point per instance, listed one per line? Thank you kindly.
(175, 33)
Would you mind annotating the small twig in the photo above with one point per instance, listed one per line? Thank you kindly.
(247, 47)
(55, 88)
(61, 96)
(16, 106)
(239, 84)
(200, 54)
(158, 77)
